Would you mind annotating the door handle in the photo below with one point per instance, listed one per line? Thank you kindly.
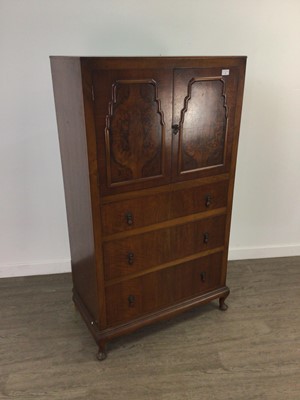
(175, 129)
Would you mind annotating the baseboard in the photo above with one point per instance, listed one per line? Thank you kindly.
(61, 266)
(35, 268)
(245, 253)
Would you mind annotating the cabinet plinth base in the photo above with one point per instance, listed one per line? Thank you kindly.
(102, 337)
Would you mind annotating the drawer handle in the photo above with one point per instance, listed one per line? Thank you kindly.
(203, 276)
(131, 300)
(130, 258)
(208, 200)
(129, 218)
(205, 237)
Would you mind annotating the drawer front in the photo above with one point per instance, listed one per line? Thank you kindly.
(198, 199)
(133, 298)
(136, 213)
(137, 253)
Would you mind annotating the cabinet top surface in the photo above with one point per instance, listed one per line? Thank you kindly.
(153, 62)
(148, 57)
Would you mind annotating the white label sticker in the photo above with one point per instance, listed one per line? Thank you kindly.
(225, 72)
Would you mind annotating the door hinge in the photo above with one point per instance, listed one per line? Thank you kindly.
(93, 94)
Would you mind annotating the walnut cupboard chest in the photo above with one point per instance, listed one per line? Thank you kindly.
(148, 148)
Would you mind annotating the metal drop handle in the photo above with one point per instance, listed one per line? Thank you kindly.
(203, 276)
(205, 237)
(130, 258)
(208, 200)
(129, 218)
(131, 300)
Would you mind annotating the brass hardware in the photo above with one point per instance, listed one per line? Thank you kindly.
(208, 200)
(130, 257)
(175, 129)
(131, 300)
(129, 218)
(203, 276)
(205, 237)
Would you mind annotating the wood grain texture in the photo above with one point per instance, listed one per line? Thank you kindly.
(165, 188)
(68, 95)
(176, 242)
(204, 108)
(157, 290)
(161, 207)
(203, 124)
(47, 353)
(132, 112)
(134, 131)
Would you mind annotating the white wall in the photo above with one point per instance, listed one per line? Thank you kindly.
(266, 218)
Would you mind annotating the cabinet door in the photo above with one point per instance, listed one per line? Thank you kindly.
(203, 121)
(132, 111)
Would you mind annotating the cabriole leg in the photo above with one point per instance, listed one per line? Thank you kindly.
(101, 355)
(222, 305)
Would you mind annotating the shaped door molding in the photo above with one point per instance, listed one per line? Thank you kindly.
(134, 132)
(203, 125)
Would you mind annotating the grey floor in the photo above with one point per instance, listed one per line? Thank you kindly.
(252, 351)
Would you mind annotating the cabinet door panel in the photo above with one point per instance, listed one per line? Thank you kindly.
(132, 115)
(204, 105)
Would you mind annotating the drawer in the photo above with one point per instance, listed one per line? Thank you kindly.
(135, 213)
(198, 199)
(133, 298)
(139, 252)
(142, 211)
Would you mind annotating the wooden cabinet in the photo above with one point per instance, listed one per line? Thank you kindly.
(148, 148)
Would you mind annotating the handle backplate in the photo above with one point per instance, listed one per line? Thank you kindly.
(205, 237)
(130, 258)
(129, 218)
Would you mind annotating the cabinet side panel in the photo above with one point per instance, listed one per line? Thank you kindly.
(66, 76)
(237, 122)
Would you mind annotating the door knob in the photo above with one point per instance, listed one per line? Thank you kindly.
(175, 129)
